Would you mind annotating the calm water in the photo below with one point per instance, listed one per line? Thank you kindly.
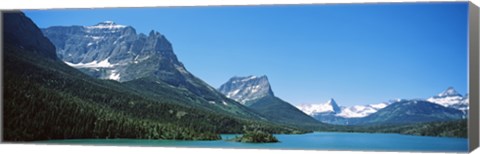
(312, 141)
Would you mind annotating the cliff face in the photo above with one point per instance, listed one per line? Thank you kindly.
(111, 51)
(244, 89)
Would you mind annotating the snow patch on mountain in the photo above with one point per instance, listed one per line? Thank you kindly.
(446, 101)
(95, 38)
(114, 75)
(105, 25)
(139, 59)
(94, 64)
(232, 93)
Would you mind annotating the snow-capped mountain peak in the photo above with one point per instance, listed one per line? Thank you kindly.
(449, 92)
(244, 89)
(451, 98)
(331, 101)
(331, 107)
(106, 25)
(324, 112)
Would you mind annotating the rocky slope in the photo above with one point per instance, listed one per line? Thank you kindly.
(256, 93)
(244, 89)
(112, 51)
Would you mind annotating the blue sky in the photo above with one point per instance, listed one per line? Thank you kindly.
(354, 53)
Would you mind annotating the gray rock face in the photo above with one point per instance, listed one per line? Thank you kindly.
(20, 31)
(334, 105)
(112, 51)
(244, 89)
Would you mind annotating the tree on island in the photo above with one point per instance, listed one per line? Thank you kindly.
(256, 136)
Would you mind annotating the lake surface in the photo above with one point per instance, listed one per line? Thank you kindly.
(311, 141)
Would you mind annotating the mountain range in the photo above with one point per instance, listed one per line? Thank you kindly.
(112, 51)
(447, 101)
(409, 111)
(46, 97)
(108, 81)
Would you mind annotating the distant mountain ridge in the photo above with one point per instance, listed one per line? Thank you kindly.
(330, 107)
(410, 111)
(355, 111)
(449, 98)
(358, 111)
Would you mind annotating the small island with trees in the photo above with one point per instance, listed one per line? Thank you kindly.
(255, 136)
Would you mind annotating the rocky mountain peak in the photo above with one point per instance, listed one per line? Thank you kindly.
(329, 107)
(116, 52)
(450, 91)
(451, 98)
(112, 51)
(331, 101)
(334, 105)
(243, 89)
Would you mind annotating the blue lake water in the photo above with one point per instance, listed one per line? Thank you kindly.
(311, 141)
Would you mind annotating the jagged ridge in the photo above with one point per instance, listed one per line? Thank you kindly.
(111, 51)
